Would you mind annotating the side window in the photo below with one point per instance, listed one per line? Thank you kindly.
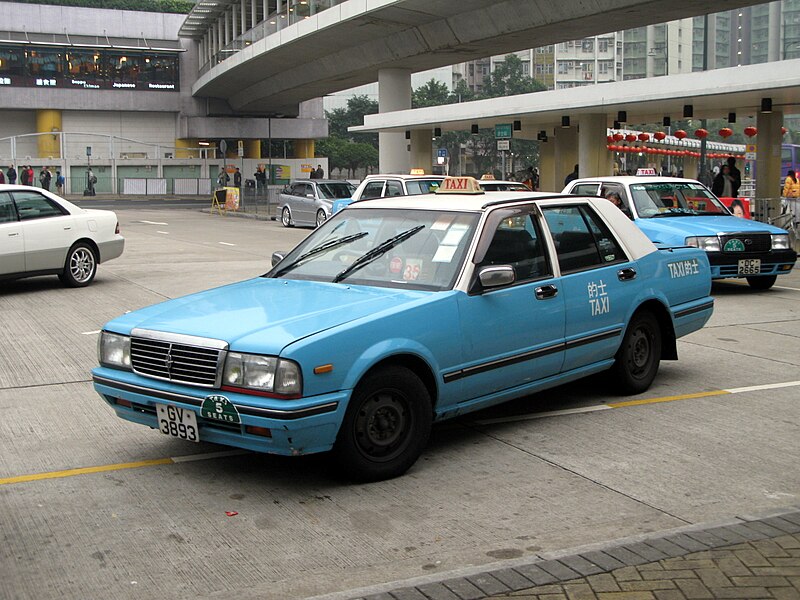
(298, 189)
(582, 240)
(32, 205)
(374, 189)
(517, 241)
(394, 188)
(585, 189)
(8, 214)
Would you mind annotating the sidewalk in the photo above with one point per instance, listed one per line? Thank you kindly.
(748, 559)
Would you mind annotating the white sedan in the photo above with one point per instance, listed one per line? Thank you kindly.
(43, 234)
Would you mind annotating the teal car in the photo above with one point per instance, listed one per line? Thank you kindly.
(401, 312)
(675, 212)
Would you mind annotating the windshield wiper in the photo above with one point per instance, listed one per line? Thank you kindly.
(377, 252)
(319, 249)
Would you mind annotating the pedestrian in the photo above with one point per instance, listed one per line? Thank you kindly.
(261, 179)
(791, 185)
(91, 180)
(722, 187)
(237, 178)
(223, 178)
(11, 175)
(23, 175)
(59, 183)
(319, 173)
(572, 176)
(30, 175)
(2, 176)
(736, 174)
(45, 177)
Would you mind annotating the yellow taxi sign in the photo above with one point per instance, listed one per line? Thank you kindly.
(487, 177)
(417, 171)
(459, 185)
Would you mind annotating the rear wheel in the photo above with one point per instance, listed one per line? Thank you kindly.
(762, 282)
(321, 217)
(386, 426)
(80, 267)
(638, 358)
(286, 217)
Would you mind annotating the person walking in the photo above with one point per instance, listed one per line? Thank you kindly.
(2, 176)
(11, 175)
(45, 177)
(30, 175)
(722, 187)
(237, 178)
(59, 183)
(23, 175)
(319, 173)
(736, 174)
(791, 185)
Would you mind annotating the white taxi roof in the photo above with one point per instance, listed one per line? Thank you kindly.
(631, 179)
(401, 176)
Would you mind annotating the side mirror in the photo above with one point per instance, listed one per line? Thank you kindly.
(496, 276)
(310, 196)
(277, 257)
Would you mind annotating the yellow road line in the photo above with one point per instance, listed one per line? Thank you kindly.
(86, 470)
(667, 399)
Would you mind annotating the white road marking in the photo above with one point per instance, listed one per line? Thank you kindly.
(782, 287)
(542, 415)
(226, 244)
(207, 456)
(90, 332)
(164, 232)
(154, 222)
(768, 386)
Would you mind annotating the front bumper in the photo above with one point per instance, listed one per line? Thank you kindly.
(776, 262)
(296, 427)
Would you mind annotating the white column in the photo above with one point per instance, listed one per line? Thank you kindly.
(394, 93)
(776, 40)
(265, 8)
(566, 154)
(234, 27)
(227, 39)
(593, 156)
(244, 16)
(768, 157)
(547, 167)
(421, 149)
(254, 14)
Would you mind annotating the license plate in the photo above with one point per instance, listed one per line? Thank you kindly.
(750, 266)
(177, 422)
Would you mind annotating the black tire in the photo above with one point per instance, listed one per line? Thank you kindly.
(638, 357)
(286, 217)
(762, 282)
(386, 426)
(80, 266)
(321, 217)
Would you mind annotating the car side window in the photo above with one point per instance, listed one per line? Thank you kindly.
(585, 189)
(582, 240)
(32, 205)
(517, 241)
(374, 189)
(298, 189)
(394, 188)
(8, 214)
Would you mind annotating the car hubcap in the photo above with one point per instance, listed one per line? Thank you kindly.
(640, 350)
(81, 265)
(320, 218)
(286, 216)
(382, 426)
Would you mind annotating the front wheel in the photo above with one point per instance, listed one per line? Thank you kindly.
(286, 217)
(80, 267)
(762, 282)
(386, 426)
(638, 357)
(321, 217)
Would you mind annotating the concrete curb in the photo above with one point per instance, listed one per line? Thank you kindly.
(477, 583)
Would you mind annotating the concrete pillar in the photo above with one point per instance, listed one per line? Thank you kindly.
(234, 27)
(691, 167)
(304, 148)
(243, 20)
(421, 150)
(394, 93)
(547, 167)
(252, 148)
(48, 122)
(775, 42)
(566, 154)
(593, 157)
(768, 157)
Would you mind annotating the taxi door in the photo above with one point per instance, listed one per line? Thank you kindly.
(48, 230)
(12, 248)
(598, 280)
(511, 335)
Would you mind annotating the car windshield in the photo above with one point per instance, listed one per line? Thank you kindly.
(334, 191)
(675, 199)
(412, 249)
(502, 186)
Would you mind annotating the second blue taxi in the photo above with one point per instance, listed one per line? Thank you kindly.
(400, 312)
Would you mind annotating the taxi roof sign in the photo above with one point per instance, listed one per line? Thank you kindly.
(417, 172)
(487, 176)
(459, 185)
(645, 171)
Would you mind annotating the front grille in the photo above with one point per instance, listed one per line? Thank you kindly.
(173, 361)
(747, 242)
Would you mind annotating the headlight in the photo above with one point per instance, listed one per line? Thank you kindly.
(709, 243)
(114, 350)
(268, 374)
(780, 241)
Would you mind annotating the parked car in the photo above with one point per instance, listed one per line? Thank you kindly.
(675, 212)
(403, 311)
(43, 234)
(309, 201)
(498, 185)
(389, 186)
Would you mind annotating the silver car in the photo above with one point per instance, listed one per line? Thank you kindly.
(309, 201)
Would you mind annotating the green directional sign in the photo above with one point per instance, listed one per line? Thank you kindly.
(502, 131)
(219, 408)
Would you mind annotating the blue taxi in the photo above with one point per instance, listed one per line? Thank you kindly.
(674, 212)
(400, 312)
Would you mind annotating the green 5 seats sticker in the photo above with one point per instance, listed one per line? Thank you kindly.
(734, 245)
(219, 408)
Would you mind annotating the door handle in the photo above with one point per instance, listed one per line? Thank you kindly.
(67, 228)
(626, 274)
(15, 234)
(544, 292)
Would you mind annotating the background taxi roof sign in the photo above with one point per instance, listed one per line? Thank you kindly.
(459, 185)
(647, 171)
(417, 172)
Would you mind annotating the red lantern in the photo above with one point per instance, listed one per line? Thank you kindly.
(784, 131)
(609, 139)
(618, 137)
(726, 132)
(701, 133)
(630, 137)
(680, 134)
(750, 131)
(659, 135)
(644, 137)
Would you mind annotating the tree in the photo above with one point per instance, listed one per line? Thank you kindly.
(339, 119)
(355, 155)
(509, 79)
(433, 93)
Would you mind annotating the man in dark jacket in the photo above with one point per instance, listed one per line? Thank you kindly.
(736, 174)
(23, 176)
(11, 175)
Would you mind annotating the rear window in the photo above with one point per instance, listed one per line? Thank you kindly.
(334, 191)
(421, 186)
